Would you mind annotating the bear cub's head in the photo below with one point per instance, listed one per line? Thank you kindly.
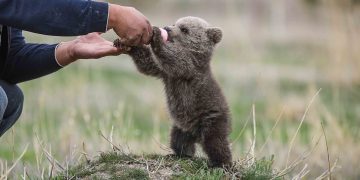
(194, 34)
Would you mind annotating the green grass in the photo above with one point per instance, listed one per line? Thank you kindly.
(134, 107)
(96, 100)
(116, 165)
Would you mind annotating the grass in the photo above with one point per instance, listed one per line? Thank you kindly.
(66, 113)
(115, 165)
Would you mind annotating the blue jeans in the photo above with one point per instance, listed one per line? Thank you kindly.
(11, 103)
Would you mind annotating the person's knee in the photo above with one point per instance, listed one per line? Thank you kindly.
(13, 93)
(3, 102)
(13, 107)
(15, 99)
(19, 96)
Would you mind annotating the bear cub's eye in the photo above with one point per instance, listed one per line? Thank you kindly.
(184, 30)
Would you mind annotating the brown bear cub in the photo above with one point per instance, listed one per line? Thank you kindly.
(195, 101)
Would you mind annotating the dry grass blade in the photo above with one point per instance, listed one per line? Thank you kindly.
(254, 135)
(243, 129)
(48, 155)
(160, 163)
(147, 166)
(2, 167)
(302, 173)
(327, 173)
(111, 136)
(5, 175)
(51, 170)
(299, 160)
(272, 130)
(84, 152)
(327, 149)
(298, 129)
(114, 147)
(163, 146)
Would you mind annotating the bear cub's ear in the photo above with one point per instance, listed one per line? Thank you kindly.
(214, 34)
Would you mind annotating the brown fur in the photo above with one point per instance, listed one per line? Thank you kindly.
(195, 101)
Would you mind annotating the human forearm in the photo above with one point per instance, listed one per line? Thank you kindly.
(55, 17)
(29, 61)
(76, 17)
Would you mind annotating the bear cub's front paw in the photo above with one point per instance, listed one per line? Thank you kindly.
(118, 43)
(156, 38)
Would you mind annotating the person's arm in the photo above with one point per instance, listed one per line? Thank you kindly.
(27, 61)
(55, 17)
(75, 17)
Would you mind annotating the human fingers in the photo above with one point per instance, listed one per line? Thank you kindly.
(107, 51)
(148, 34)
(131, 40)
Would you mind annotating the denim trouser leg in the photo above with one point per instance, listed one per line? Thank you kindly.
(11, 103)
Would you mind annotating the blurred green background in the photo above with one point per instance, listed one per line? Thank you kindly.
(275, 55)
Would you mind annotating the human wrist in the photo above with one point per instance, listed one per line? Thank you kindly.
(113, 15)
(64, 53)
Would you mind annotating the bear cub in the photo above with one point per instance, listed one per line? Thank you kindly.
(195, 101)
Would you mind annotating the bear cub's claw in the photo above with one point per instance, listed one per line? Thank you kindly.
(118, 44)
(157, 38)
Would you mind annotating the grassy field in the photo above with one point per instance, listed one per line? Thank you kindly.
(292, 72)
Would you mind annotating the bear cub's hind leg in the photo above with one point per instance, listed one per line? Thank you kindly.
(217, 149)
(182, 143)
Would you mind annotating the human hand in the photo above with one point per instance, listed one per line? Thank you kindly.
(130, 25)
(158, 33)
(90, 46)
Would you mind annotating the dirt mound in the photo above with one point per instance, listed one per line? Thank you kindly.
(115, 165)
